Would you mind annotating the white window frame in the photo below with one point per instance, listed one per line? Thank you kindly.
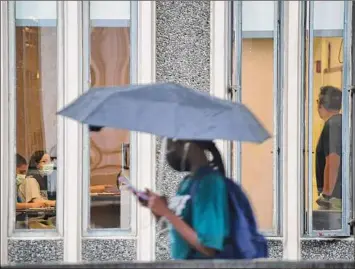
(142, 154)
(290, 142)
(219, 58)
(142, 161)
(72, 158)
(221, 82)
(9, 119)
(346, 33)
(4, 60)
(146, 154)
(116, 233)
(8, 88)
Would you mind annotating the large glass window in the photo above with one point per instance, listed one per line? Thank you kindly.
(327, 177)
(35, 114)
(256, 81)
(110, 65)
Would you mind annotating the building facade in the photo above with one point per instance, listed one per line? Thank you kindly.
(273, 56)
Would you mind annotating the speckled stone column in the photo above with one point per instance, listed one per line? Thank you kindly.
(183, 56)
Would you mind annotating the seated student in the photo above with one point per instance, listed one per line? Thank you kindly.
(28, 190)
(40, 167)
(21, 170)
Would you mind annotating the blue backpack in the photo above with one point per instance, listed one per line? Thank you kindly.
(245, 241)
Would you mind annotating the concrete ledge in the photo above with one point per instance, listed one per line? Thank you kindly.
(203, 264)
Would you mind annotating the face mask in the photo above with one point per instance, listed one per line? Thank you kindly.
(48, 169)
(180, 164)
(20, 178)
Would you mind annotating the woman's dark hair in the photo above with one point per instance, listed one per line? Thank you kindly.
(20, 160)
(35, 159)
(217, 158)
(93, 128)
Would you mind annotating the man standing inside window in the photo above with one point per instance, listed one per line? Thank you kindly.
(329, 149)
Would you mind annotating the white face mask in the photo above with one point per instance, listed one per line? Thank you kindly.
(20, 178)
(48, 169)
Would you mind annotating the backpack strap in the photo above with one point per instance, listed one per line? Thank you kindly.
(192, 192)
(194, 187)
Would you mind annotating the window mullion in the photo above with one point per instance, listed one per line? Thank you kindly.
(352, 125)
(310, 113)
(72, 152)
(145, 173)
(4, 108)
(11, 117)
(346, 123)
(86, 136)
(60, 125)
(291, 183)
(277, 116)
(238, 13)
(303, 70)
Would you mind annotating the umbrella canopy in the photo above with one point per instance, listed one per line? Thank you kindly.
(167, 109)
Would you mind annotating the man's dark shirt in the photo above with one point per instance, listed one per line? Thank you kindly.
(330, 141)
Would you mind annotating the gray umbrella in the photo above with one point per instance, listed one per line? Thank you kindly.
(166, 109)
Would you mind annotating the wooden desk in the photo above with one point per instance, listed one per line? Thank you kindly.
(36, 218)
(37, 212)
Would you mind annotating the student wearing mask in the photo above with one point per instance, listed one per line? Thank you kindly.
(40, 167)
(329, 149)
(22, 185)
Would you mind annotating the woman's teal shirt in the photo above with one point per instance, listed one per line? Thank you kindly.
(207, 212)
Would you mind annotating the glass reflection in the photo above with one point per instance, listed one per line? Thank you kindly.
(109, 148)
(257, 93)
